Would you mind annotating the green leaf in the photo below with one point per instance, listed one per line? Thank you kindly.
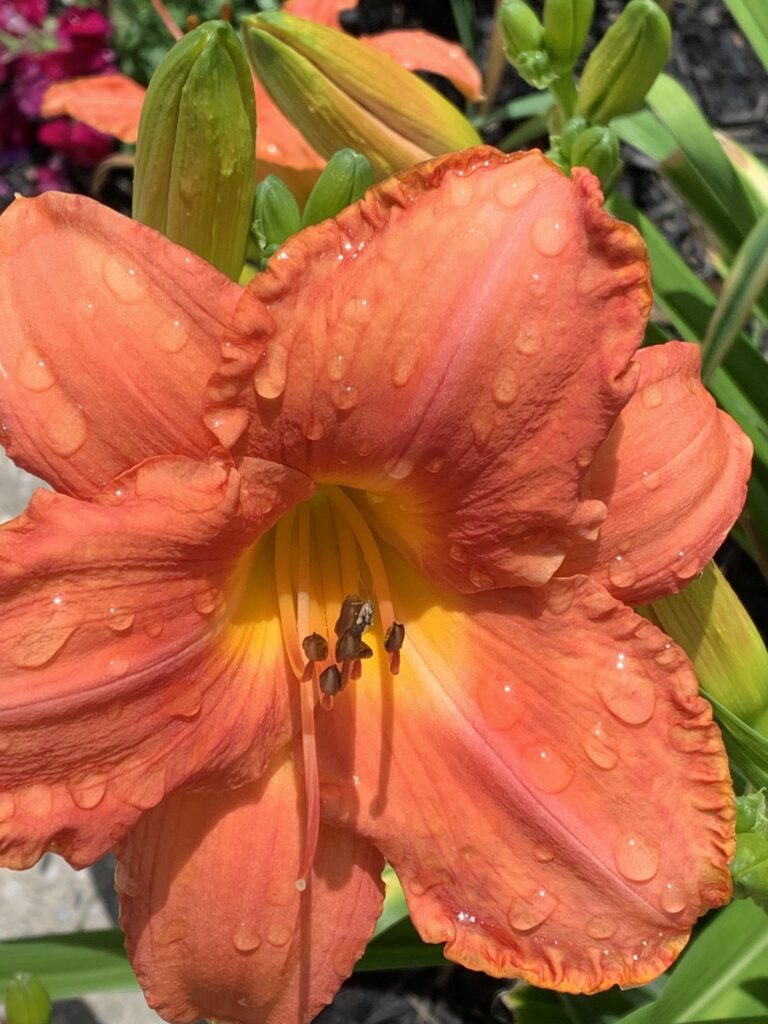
(70, 965)
(523, 106)
(395, 907)
(747, 747)
(465, 16)
(750, 865)
(533, 1005)
(722, 975)
(752, 17)
(400, 947)
(744, 284)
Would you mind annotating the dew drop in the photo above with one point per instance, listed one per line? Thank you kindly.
(227, 424)
(154, 627)
(650, 479)
(673, 899)
(621, 572)
(482, 426)
(125, 282)
(505, 387)
(174, 930)
(687, 565)
(374, 498)
(627, 693)
(538, 285)
(301, 884)
(499, 702)
(123, 881)
(550, 234)
(188, 701)
(402, 469)
(120, 619)
(526, 914)
(512, 193)
(88, 791)
(67, 428)
(652, 396)
(546, 769)
(148, 788)
(314, 429)
(41, 645)
(245, 938)
(404, 367)
(435, 464)
(344, 396)
(636, 858)
(460, 191)
(528, 340)
(543, 854)
(279, 934)
(172, 336)
(271, 374)
(336, 366)
(599, 752)
(117, 667)
(34, 373)
(600, 927)
(480, 579)
(204, 601)
(37, 800)
(357, 309)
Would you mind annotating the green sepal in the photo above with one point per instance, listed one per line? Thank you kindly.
(522, 35)
(750, 865)
(625, 63)
(570, 133)
(566, 25)
(276, 216)
(27, 1001)
(597, 149)
(344, 180)
(195, 159)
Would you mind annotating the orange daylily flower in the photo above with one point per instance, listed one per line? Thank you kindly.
(112, 103)
(433, 401)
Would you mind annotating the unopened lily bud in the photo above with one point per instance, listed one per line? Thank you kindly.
(625, 63)
(523, 36)
(712, 626)
(750, 865)
(27, 1001)
(276, 216)
(566, 24)
(597, 149)
(570, 133)
(196, 151)
(341, 92)
(344, 180)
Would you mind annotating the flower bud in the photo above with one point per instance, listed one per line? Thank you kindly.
(750, 865)
(27, 1001)
(196, 151)
(523, 35)
(344, 180)
(625, 63)
(276, 216)
(341, 92)
(597, 149)
(570, 133)
(566, 24)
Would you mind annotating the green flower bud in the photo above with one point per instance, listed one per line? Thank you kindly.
(341, 92)
(570, 133)
(566, 24)
(27, 1001)
(522, 34)
(276, 216)
(625, 63)
(750, 865)
(196, 151)
(597, 148)
(344, 180)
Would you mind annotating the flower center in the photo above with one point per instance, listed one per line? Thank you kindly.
(332, 589)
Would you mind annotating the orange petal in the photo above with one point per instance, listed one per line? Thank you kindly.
(324, 12)
(457, 345)
(673, 474)
(132, 658)
(543, 777)
(423, 51)
(215, 925)
(110, 333)
(109, 103)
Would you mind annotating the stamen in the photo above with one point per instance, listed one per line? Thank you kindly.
(394, 639)
(315, 647)
(307, 690)
(330, 685)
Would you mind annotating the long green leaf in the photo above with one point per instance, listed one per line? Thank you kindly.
(465, 16)
(752, 17)
(71, 965)
(747, 747)
(722, 976)
(743, 285)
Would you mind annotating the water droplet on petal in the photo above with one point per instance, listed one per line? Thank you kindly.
(36, 800)
(279, 934)
(357, 309)
(344, 396)
(125, 282)
(514, 192)
(546, 769)
(120, 619)
(204, 601)
(245, 938)
(627, 691)
(551, 234)
(314, 429)
(88, 791)
(405, 364)
(34, 373)
(621, 572)
(499, 702)
(402, 469)
(117, 667)
(435, 464)
(687, 565)
(538, 285)
(41, 644)
(479, 578)
(174, 930)
(271, 374)
(505, 387)
(651, 479)
(525, 914)
(123, 881)
(187, 701)
(652, 396)
(336, 367)
(637, 858)
(528, 340)
(172, 336)
(67, 428)
(674, 898)
(600, 927)
(147, 789)
(543, 854)
(460, 191)
(599, 752)
(154, 627)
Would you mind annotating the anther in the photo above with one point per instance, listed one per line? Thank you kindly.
(394, 639)
(315, 647)
(330, 685)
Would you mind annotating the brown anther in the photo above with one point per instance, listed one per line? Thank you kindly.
(347, 647)
(226, 12)
(330, 681)
(363, 650)
(315, 647)
(192, 22)
(394, 638)
(350, 608)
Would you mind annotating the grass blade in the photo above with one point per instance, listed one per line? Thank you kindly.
(752, 18)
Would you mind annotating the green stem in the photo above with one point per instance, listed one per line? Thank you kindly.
(564, 91)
